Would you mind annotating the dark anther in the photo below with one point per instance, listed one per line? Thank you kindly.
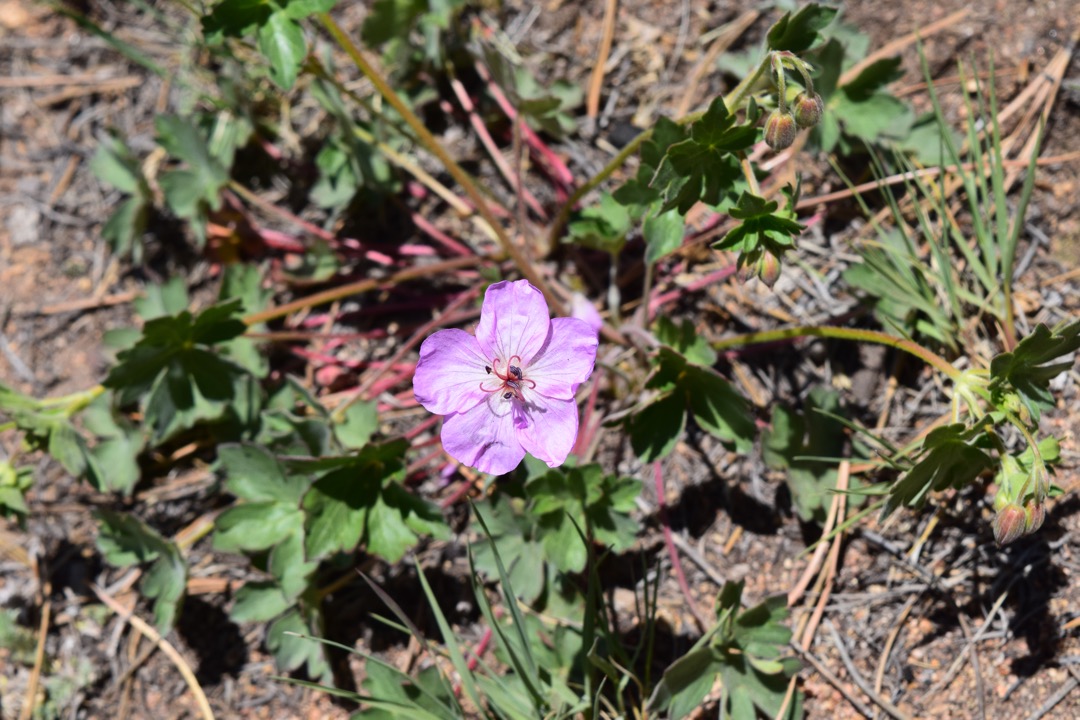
(507, 396)
(515, 371)
(487, 369)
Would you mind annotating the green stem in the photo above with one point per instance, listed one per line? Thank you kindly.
(435, 147)
(871, 336)
(74, 402)
(732, 100)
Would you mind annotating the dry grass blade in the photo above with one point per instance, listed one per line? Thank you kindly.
(162, 644)
(596, 81)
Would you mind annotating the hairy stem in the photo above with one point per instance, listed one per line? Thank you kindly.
(841, 333)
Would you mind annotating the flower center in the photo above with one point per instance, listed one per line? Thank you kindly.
(508, 380)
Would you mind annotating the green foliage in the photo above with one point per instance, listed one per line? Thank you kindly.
(745, 651)
(543, 529)
(681, 386)
(19, 642)
(602, 227)
(294, 513)
(945, 292)
(1028, 369)
(391, 25)
(797, 442)
(192, 191)
(801, 31)
(14, 482)
(275, 25)
(762, 227)
(176, 374)
(949, 457)
(124, 540)
(115, 164)
(703, 166)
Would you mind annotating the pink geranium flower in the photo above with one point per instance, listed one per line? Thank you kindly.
(510, 389)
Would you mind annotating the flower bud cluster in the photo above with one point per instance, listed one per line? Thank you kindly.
(803, 113)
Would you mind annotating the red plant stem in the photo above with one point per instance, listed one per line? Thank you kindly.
(481, 648)
(375, 389)
(493, 150)
(452, 499)
(282, 213)
(545, 156)
(425, 425)
(422, 332)
(413, 467)
(439, 236)
(673, 553)
(325, 359)
(585, 435)
(713, 277)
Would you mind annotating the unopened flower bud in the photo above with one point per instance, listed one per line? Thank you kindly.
(1034, 516)
(808, 110)
(768, 269)
(1009, 524)
(746, 267)
(780, 130)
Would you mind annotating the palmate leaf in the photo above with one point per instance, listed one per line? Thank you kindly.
(1029, 368)
(746, 650)
(799, 32)
(792, 436)
(363, 501)
(176, 375)
(704, 166)
(125, 540)
(715, 405)
(290, 651)
(950, 460)
(762, 224)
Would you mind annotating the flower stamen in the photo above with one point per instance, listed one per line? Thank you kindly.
(513, 378)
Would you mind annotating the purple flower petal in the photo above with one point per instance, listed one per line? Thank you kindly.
(582, 309)
(485, 436)
(514, 320)
(566, 360)
(552, 429)
(449, 373)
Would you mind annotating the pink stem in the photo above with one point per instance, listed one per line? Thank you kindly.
(713, 277)
(439, 236)
(544, 155)
(669, 541)
(493, 150)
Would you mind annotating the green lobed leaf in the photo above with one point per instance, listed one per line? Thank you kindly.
(254, 474)
(281, 40)
(663, 233)
(951, 462)
(800, 31)
(359, 424)
(291, 652)
(761, 226)
(685, 340)
(258, 601)
(791, 436)
(656, 427)
(125, 540)
(1029, 368)
(703, 167)
(719, 408)
(255, 526)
